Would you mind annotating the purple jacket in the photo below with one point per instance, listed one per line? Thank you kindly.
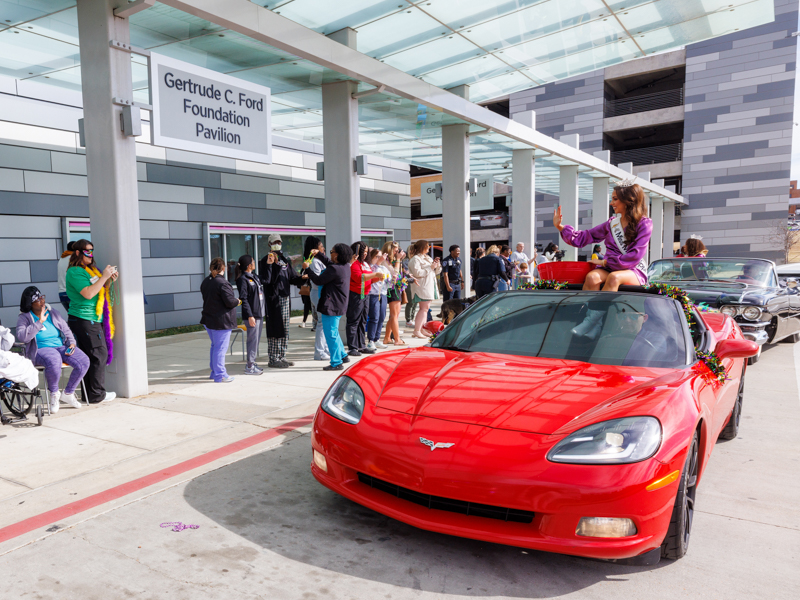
(615, 259)
(27, 330)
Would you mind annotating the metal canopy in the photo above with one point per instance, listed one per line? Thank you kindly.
(413, 48)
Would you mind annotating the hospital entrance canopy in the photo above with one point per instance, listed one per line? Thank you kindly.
(412, 50)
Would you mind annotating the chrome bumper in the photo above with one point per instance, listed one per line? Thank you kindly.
(759, 336)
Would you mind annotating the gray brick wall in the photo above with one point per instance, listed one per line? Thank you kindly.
(738, 136)
(43, 181)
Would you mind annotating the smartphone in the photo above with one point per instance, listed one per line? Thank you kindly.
(69, 351)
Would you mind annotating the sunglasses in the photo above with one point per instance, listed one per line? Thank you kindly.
(36, 297)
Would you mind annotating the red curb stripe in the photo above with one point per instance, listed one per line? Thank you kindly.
(79, 506)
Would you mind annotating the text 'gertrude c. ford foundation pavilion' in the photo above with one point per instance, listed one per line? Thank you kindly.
(397, 79)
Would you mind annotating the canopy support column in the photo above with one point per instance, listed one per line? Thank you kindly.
(455, 196)
(113, 192)
(340, 148)
(600, 199)
(523, 173)
(669, 229)
(568, 195)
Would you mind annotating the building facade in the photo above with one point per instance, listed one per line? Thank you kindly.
(192, 206)
(714, 119)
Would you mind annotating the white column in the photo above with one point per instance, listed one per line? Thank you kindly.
(568, 195)
(523, 173)
(600, 199)
(113, 193)
(648, 203)
(669, 229)
(340, 148)
(455, 196)
(657, 215)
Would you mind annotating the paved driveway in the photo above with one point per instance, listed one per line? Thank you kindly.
(268, 530)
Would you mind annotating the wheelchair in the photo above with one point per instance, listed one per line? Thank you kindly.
(19, 401)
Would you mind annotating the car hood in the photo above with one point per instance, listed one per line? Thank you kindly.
(719, 294)
(535, 395)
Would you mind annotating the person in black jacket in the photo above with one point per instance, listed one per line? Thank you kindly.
(278, 276)
(333, 297)
(491, 269)
(218, 317)
(251, 293)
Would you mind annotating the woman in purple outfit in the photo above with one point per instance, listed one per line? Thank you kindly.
(626, 235)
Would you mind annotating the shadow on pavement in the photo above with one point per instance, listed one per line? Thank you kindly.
(272, 499)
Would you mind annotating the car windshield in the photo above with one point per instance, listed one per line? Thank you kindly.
(734, 270)
(639, 330)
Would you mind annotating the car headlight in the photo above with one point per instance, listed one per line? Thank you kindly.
(729, 310)
(614, 442)
(752, 313)
(344, 400)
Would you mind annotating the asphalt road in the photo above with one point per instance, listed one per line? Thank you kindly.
(268, 530)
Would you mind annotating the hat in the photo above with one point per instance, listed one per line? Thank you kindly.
(274, 237)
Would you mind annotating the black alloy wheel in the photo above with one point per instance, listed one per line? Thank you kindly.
(676, 543)
(732, 426)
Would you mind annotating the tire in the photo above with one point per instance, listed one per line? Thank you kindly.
(39, 415)
(676, 543)
(792, 339)
(18, 403)
(731, 429)
(754, 359)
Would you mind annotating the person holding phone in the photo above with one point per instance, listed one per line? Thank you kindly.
(90, 316)
(49, 342)
(424, 270)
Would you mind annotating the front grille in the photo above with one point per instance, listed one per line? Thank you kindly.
(457, 506)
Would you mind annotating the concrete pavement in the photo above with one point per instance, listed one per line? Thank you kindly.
(267, 529)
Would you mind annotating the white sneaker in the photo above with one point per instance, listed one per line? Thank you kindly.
(54, 398)
(380, 345)
(371, 345)
(109, 396)
(71, 400)
(302, 326)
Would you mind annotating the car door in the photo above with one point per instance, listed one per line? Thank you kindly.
(793, 296)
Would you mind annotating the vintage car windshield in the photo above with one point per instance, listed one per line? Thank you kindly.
(639, 330)
(734, 270)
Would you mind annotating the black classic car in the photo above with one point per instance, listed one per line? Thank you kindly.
(765, 305)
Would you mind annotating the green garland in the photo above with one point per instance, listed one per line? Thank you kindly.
(709, 359)
(544, 284)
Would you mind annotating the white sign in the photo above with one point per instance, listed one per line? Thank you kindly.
(204, 111)
(483, 199)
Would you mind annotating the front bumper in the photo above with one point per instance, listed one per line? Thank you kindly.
(754, 333)
(495, 468)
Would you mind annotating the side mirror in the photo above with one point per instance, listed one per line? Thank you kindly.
(736, 349)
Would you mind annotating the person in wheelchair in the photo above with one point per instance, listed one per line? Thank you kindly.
(49, 342)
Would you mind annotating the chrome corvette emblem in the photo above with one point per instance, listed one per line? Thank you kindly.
(434, 446)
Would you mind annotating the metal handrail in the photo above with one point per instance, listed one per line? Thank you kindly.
(643, 103)
(649, 156)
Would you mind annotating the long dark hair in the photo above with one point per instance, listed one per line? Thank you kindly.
(551, 247)
(245, 260)
(76, 260)
(312, 243)
(632, 196)
(217, 265)
(359, 250)
(343, 253)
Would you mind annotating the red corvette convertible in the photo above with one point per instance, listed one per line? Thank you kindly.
(512, 427)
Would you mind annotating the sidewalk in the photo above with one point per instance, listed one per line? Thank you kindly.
(79, 453)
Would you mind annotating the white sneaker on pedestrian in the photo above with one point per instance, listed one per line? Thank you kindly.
(371, 345)
(109, 396)
(54, 399)
(380, 345)
(302, 326)
(71, 400)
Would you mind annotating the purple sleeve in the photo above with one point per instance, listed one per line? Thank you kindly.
(579, 239)
(636, 252)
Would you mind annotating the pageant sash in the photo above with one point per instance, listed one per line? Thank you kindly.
(618, 233)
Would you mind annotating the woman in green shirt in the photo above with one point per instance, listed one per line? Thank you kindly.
(84, 284)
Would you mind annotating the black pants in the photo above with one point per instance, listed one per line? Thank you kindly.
(306, 307)
(356, 321)
(90, 338)
(483, 287)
